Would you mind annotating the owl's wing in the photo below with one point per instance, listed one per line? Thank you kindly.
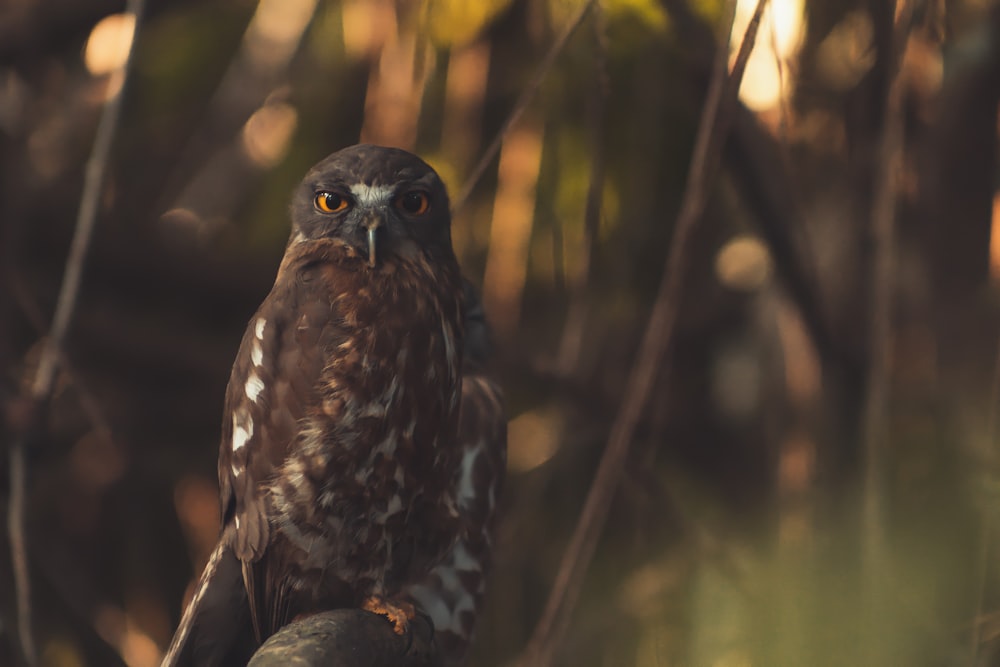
(452, 594)
(274, 384)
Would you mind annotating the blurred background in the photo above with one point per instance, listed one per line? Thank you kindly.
(787, 438)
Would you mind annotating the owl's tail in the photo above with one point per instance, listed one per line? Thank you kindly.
(215, 628)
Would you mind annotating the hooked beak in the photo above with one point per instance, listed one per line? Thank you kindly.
(372, 227)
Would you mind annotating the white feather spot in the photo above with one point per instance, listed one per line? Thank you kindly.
(433, 604)
(256, 353)
(242, 429)
(371, 195)
(395, 506)
(449, 347)
(253, 387)
(388, 445)
(466, 488)
(463, 560)
(258, 329)
(237, 518)
(373, 409)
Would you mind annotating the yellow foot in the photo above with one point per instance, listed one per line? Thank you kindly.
(398, 612)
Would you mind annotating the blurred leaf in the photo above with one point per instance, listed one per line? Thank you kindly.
(455, 22)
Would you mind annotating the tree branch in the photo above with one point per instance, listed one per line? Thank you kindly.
(712, 130)
(571, 342)
(348, 638)
(527, 95)
(876, 406)
(41, 388)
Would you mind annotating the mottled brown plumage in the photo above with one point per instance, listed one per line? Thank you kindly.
(348, 477)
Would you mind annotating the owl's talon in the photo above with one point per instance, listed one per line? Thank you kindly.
(398, 612)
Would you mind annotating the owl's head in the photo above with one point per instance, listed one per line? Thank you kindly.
(383, 202)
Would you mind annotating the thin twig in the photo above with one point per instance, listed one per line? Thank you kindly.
(572, 338)
(88, 401)
(713, 128)
(527, 95)
(45, 373)
(876, 422)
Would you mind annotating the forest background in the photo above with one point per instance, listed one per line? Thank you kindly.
(788, 399)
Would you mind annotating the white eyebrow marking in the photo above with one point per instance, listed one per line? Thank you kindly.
(371, 195)
(253, 387)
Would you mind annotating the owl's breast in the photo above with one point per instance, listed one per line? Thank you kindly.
(367, 476)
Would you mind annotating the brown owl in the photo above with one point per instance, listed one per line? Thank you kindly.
(363, 442)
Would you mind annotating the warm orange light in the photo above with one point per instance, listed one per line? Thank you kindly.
(368, 24)
(533, 439)
(803, 375)
(743, 264)
(995, 240)
(109, 43)
(267, 134)
(767, 78)
(276, 30)
(510, 232)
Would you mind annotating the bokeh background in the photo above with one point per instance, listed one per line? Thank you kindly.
(743, 529)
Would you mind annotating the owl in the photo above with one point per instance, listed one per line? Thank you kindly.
(363, 439)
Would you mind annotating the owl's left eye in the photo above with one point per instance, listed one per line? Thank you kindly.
(330, 202)
(414, 202)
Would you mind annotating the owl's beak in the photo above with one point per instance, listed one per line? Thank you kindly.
(372, 227)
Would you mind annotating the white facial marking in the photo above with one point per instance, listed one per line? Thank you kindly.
(371, 195)
(253, 387)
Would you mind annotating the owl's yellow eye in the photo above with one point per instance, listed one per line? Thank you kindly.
(330, 202)
(414, 202)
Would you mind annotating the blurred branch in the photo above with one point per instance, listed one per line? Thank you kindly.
(576, 318)
(41, 388)
(527, 95)
(88, 401)
(875, 419)
(756, 163)
(883, 215)
(212, 171)
(712, 130)
(348, 638)
(986, 522)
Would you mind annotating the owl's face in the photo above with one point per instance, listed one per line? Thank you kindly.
(383, 202)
